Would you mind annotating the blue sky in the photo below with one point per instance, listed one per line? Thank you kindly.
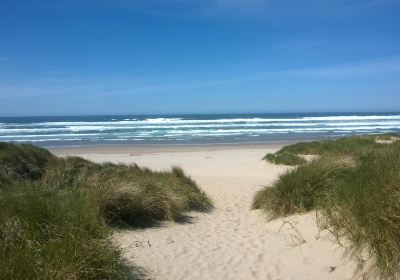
(198, 56)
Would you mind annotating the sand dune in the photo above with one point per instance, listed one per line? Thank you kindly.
(233, 241)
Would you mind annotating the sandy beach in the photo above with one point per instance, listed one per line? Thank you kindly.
(233, 241)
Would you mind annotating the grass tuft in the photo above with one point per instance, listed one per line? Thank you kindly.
(297, 190)
(285, 158)
(357, 198)
(57, 214)
(22, 162)
(46, 234)
(358, 145)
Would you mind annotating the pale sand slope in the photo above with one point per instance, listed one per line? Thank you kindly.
(232, 242)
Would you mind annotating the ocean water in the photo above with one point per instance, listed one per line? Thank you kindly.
(192, 129)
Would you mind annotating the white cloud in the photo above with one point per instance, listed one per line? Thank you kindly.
(270, 9)
(125, 85)
(388, 66)
(274, 10)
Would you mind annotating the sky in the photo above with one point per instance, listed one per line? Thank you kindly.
(81, 57)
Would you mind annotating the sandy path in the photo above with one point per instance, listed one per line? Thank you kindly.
(232, 242)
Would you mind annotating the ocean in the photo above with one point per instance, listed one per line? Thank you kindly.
(192, 129)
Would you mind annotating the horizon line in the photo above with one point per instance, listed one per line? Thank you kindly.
(205, 114)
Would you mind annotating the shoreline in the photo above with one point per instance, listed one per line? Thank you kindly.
(165, 148)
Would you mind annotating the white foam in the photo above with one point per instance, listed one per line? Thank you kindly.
(108, 126)
(299, 119)
(250, 130)
(176, 128)
(151, 121)
(48, 135)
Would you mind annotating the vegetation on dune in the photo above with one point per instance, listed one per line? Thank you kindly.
(130, 195)
(297, 191)
(357, 198)
(56, 214)
(291, 155)
(22, 162)
(364, 209)
(285, 158)
(46, 234)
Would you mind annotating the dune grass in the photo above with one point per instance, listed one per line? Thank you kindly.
(297, 191)
(22, 162)
(284, 157)
(57, 215)
(130, 195)
(289, 155)
(357, 198)
(364, 209)
(46, 234)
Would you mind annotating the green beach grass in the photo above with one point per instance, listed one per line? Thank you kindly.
(57, 214)
(354, 185)
(292, 154)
